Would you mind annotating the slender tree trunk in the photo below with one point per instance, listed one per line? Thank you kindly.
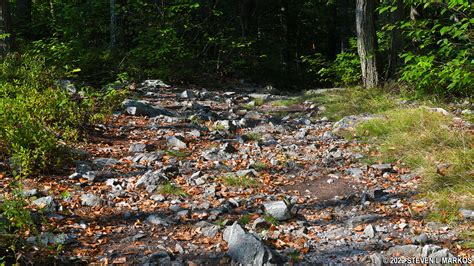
(396, 42)
(332, 38)
(367, 42)
(7, 27)
(113, 25)
(23, 15)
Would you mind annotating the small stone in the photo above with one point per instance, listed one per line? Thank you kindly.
(228, 148)
(420, 239)
(150, 180)
(158, 220)
(30, 193)
(429, 249)
(405, 250)
(91, 200)
(278, 210)
(176, 142)
(90, 176)
(46, 203)
(158, 198)
(100, 163)
(467, 214)
(355, 172)
(361, 219)
(369, 231)
(246, 249)
(75, 176)
(384, 167)
(377, 259)
(187, 94)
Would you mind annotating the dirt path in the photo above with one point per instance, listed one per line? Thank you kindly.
(164, 181)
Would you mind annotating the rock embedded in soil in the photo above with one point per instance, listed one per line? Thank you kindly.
(176, 142)
(150, 180)
(91, 200)
(467, 214)
(246, 249)
(139, 147)
(361, 219)
(278, 210)
(383, 167)
(46, 203)
(158, 220)
(144, 108)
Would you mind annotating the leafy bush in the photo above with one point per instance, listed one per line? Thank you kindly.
(442, 59)
(345, 69)
(37, 119)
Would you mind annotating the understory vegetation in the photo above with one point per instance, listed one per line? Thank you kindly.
(438, 147)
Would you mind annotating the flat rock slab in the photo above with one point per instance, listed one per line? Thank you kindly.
(246, 249)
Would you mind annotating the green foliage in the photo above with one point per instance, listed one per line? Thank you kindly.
(271, 220)
(345, 69)
(239, 181)
(170, 189)
(37, 118)
(14, 209)
(425, 141)
(245, 219)
(442, 61)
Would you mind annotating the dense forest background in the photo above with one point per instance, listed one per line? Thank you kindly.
(290, 44)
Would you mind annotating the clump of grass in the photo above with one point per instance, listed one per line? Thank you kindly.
(254, 136)
(239, 181)
(176, 153)
(424, 140)
(170, 189)
(259, 101)
(260, 166)
(245, 219)
(271, 220)
(219, 127)
(468, 243)
(287, 102)
(351, 101)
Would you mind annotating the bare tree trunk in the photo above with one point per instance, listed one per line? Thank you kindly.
(367, 42)
(396, 41)
(7, 27)
(113, 24)
(23, 15)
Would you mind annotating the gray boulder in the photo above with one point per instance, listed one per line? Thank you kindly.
(46, 203)
(158, 220)
(153, 84)
(91, 200)
(144, 108)
(150, 180)
(246, 249)
(277, 209)
(176, 142)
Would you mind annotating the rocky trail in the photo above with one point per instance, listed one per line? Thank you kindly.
(193, 177)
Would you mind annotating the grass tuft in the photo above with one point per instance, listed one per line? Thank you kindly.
(426, 142)
(170, 189)
(240, 181)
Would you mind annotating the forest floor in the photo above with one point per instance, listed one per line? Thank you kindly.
(165, 180)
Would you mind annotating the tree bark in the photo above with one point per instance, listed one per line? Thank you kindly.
(23, 15)
(113, 25)
(7, 27)
(367, 42)
(396, 42)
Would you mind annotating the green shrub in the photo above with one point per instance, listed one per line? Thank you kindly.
(37, 120)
